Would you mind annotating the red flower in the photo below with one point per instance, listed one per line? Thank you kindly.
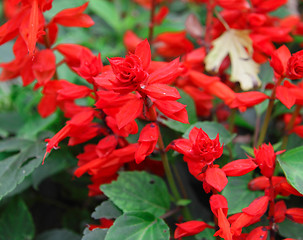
(199, 147)
(295, 66)
(200, 152)
(203, 147)
(90, 66)
(131, 71)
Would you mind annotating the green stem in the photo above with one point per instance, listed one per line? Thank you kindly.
(167, 169)
(268, 113)
(290, 126)
(179, 180)
(232, 120)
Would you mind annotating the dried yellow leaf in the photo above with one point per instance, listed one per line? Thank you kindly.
(238, 45)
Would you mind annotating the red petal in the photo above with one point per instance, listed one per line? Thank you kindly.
(163, 11)
(279, 60)
(218, 201)
(268, 5)
(131, 41)
(283, 94)
(82, 118)
(147, 141)
(182, 146)
(280, 210)
(258, 233)
(129, 112)
(47, 105)
(225, 231)
(74, 17)
(248, 99)
(143, 52)
(259, 183)
(161, 91)
(216, 178)
(32, 28)
(72, 53)
(295, 214)
(173, 110)
(239, 167)
(298, 130)
(258, 207)
(149, 133)
(165, 74)
(202, 80)
(44, 66)
(70, 91)
(190, 228)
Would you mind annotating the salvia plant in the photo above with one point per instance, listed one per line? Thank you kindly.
(188, 127)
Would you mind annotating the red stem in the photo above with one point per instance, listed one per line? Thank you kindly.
(209, 22)
(152, 21)
(271, 211)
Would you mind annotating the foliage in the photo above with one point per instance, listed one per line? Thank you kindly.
(124, 119)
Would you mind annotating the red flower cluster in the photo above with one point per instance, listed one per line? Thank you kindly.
(200, 152)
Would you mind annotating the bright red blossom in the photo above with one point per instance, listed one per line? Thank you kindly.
(265, 157)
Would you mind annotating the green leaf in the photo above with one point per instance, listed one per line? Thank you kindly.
(95, 234)
(183, 202)
(191, 111)
(14, 144)
(55, 162)
(11, 121)
(212, 129)
(138, 226)
(138, 191)
(292, 165)
(237, 193)
(16, 222)
(248, 150)
(241, 122)
(291, 229)
(35, 125)
(15, 168)
(107, 11)
(266, 73)
(261, 107)
(207, 234)
(60, 234)
(106, 210)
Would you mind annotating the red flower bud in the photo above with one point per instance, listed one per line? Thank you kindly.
(266, 159)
